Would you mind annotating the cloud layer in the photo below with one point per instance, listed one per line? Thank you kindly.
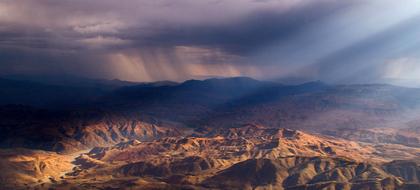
(141, 40)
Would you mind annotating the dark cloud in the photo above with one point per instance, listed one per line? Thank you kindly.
(245, 35)
(330, 40)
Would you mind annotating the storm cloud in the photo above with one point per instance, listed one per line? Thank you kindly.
(336, 41)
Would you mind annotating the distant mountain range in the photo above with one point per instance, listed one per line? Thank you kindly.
(227, 102)
(59, 92)
(222, 102)
(220, 133)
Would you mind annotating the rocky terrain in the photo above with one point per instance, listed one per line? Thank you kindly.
(23, 168)
(69, 137)
(235, 133)
(248, 157)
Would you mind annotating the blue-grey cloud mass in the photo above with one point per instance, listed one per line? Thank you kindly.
(336, 41)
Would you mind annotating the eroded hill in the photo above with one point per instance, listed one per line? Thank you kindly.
(249, 157)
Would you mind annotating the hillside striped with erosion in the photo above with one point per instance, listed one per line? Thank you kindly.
(235, 133)
(247, 157)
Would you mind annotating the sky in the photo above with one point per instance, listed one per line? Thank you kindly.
(336, 41)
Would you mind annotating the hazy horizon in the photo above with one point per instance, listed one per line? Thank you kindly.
(39, 78)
